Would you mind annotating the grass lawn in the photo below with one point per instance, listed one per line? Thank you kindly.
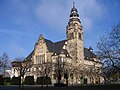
(90, 87)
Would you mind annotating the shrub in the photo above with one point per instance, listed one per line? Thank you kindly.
(15, 81)
(29, 80)
(43, 80)
(7, 79)
(49, 80)
(1, 80)
(39, 80)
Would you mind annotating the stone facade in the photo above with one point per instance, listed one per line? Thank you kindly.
(67, 59)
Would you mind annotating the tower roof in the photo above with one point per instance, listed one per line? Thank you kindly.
(73, 9)
(74, 16)
(74, 12)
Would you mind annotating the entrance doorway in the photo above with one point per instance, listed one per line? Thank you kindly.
(85, 81)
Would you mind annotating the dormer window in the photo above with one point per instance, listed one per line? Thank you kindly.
(65, 43)
(64, 47)
(55, 54)
(91, 49)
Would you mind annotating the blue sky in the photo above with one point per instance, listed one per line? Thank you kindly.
(22, 21)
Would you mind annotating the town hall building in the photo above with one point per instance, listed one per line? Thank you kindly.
(65, 60)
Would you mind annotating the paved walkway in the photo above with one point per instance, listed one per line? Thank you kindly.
(9, 88)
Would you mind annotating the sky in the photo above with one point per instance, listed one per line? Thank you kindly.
(22, 21)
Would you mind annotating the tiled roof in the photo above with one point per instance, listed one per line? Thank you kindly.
(57, 47)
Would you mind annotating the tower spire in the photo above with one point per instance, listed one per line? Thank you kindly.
(73, 4)
(74, 13)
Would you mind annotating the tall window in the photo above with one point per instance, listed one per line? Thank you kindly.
(71, 36)
(80, 37)
(43, 58)
(40, 59)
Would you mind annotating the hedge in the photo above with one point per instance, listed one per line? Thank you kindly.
(1, 80)
(15, 81)
(7, 79)
(43, 80)
(29, 80)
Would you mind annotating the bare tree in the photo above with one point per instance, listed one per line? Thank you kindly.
(109, 48)
(4, 62)
(1, 64)
(22, 66)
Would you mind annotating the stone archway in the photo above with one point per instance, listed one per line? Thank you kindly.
(86, 80)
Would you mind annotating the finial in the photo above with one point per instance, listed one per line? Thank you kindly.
(73, 4)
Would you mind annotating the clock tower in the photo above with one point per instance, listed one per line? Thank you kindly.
(74, 32)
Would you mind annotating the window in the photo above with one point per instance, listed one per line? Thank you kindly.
(28, 69)
(71, 36)
(36, 59)
(43, 58)
(62, 59)
(34, 69)
(80, 36)
(64, 47)
(40, 59)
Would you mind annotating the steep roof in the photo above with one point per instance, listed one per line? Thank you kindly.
(49, 44)
(54, 46)
(57, 47)
(28, 58)
(88, 53)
